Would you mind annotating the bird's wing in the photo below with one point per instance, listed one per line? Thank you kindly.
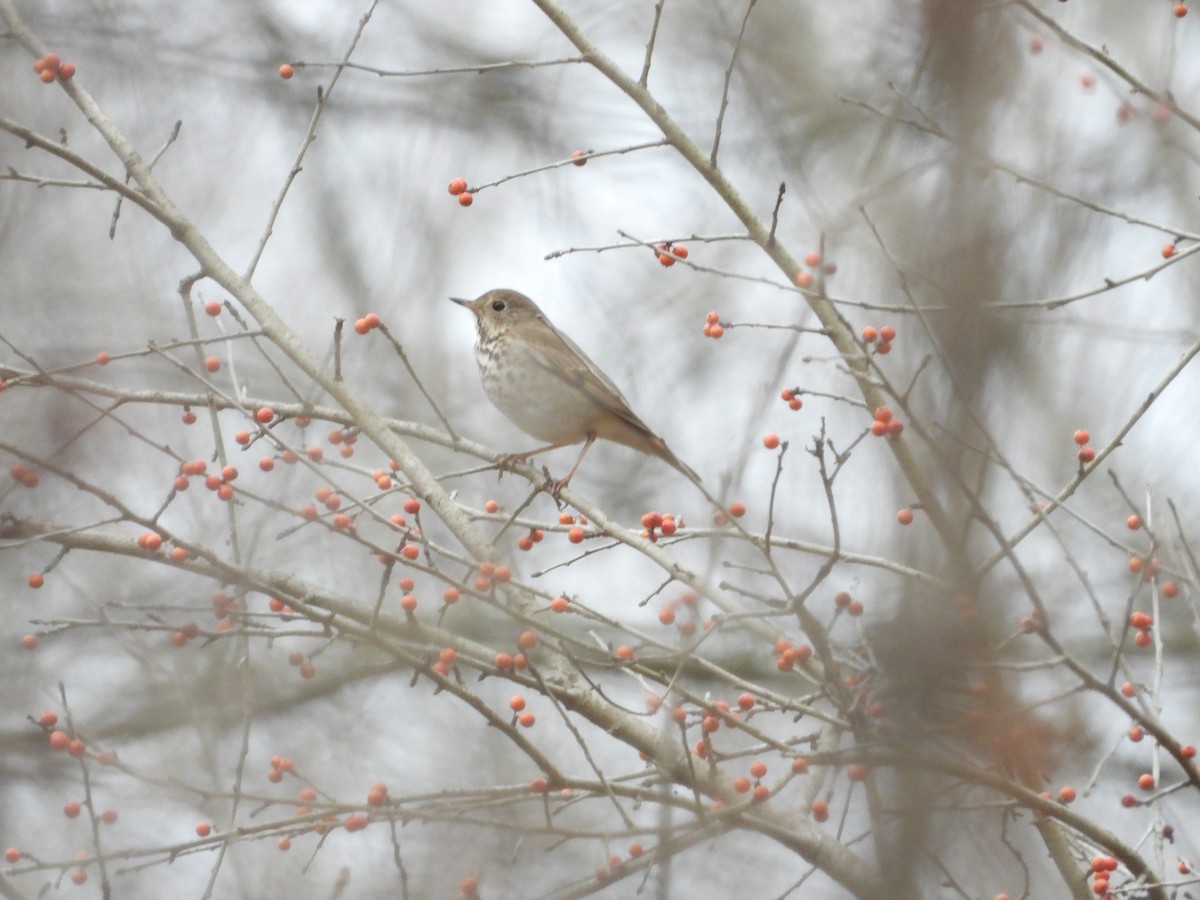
(563, 357)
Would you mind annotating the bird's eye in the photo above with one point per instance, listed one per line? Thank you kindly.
(498, 305)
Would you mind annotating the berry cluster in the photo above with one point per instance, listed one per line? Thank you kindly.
(886, 424)
(669, 252)
(458, 188)
(712, 325)
(655, 523)
(1086, 453)
(881, 338)
(51, 67)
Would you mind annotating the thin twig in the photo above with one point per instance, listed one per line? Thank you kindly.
(644, 78)
(737, 46)
(309, 136)
(775, 212)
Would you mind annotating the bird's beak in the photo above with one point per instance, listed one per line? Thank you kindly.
(461, 302)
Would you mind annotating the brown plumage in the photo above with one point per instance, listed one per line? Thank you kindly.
(548, 387)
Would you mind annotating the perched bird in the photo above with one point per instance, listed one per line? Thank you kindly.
(547, 386)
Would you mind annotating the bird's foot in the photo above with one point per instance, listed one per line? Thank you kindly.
(509, 461)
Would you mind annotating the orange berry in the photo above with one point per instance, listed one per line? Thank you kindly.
(905, 516)
(625, 652)
(579, 157)
(799, 765)
(466, 198)
(737, 510)
(820, 811)
(812, 259)
(575, 535)
(286, 71)
(412, 506)
(887, 333)
(665, 261)
(883, 414)
(716, 332)
(1180, 10)
(516, 703)
(47, 75)
(1128, 690)
(457, 186)
(712, 318)
(745, 702)
(1146, 781)
(450, 595)
(50, 61)
(103, 358)
(879, 429)
(1170, 589)
(741, 784)
(870, 335)
(1134, 522)
(1082, 437)
(1066, 794)
(36, 580)
(1086, 454)
(680, 250)
(803, 279)
(213, 307)
(12, 855)
(526, 720)
(856, 772)
(666, 616)
(883, 348)
(559, 604)
(66, 71)
(771, 441)
(264, 414)
(758, 769)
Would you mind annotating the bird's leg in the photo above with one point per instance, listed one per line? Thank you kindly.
(508, 460)
(556, 487)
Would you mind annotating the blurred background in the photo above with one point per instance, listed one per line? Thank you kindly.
(1036, 175)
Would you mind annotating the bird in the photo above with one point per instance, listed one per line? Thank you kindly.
(549, 388)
